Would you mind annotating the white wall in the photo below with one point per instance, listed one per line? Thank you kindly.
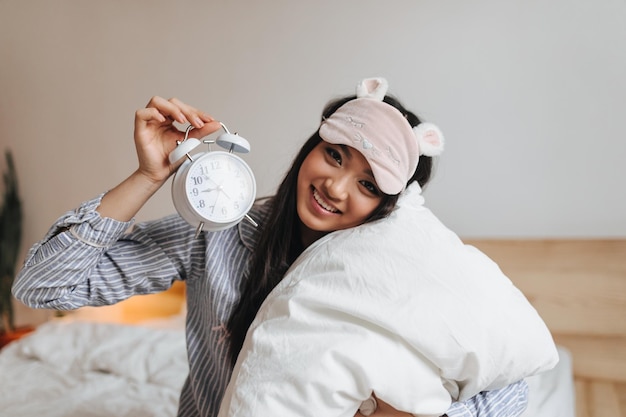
(531, 96)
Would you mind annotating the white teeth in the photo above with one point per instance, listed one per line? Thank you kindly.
(323, 203)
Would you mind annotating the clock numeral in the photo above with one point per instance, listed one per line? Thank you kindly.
(216, 165)
(202, 205)
(197, 180)
(204, 170)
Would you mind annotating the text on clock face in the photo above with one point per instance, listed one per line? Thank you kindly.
(220, 187)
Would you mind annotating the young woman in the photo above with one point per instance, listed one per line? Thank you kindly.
(89, 258)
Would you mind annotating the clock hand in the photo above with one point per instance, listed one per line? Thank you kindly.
(211, 179)
(220, 189)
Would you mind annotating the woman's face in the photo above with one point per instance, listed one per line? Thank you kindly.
(336, 190)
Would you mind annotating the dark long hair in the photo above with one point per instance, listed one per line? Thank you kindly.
(280, 242)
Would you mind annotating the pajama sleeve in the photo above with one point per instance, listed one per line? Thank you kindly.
(510, 401)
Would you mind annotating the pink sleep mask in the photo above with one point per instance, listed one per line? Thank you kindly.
(382, 134)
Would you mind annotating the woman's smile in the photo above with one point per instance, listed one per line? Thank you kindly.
(322, 202)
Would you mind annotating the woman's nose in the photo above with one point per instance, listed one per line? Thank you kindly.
(337, 187)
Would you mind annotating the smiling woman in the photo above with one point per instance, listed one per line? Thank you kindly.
(368, 152)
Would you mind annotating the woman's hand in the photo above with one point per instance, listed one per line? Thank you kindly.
(155, 138)
(156, 135)
(385, 410)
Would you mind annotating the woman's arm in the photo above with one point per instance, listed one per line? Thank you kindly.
(80, 261)
(90, 260)
(510, 401)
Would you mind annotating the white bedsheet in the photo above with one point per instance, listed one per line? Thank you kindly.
(83, 369)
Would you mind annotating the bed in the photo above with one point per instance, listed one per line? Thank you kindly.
(129, 359)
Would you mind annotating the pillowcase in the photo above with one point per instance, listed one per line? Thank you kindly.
(399, 307)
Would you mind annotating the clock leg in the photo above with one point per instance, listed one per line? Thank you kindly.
(199, 230)
(251, 220)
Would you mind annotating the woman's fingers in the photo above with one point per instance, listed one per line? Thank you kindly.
(168, 109)
(155, 121)
(149, 114)
(385, 410)
(207, 129)
(192, 115)
(161, 110)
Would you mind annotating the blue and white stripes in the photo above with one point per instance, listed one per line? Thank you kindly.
(510, 401)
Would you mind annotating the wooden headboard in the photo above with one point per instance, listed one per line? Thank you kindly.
(578, 286)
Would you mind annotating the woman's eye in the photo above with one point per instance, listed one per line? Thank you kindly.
(334, 155)
(371, 187)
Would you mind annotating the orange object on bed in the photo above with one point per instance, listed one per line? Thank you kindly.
(138, 308)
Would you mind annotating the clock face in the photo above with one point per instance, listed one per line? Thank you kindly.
(220, 187)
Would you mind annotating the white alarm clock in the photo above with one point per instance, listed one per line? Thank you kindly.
(213, 190)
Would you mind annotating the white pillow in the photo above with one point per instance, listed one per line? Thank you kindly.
(399, 307)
